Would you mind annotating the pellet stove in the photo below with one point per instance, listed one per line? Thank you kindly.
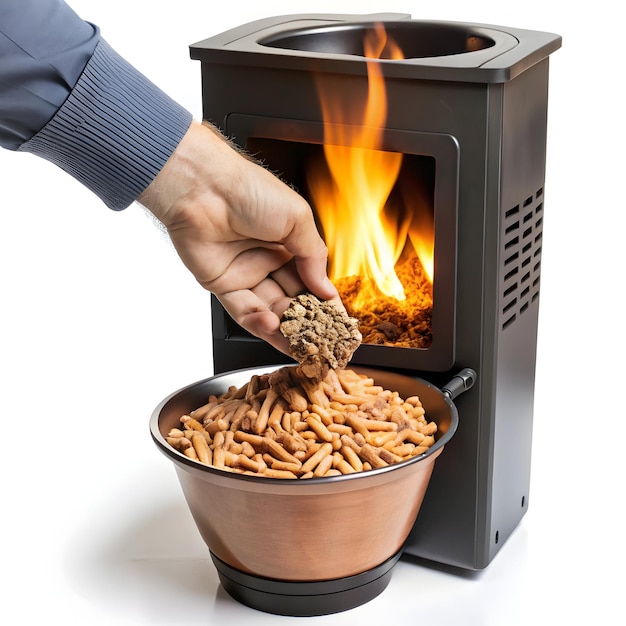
(463, 142)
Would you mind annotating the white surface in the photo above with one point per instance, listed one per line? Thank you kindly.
(99, 321)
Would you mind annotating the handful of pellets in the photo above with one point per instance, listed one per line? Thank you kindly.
(285, 425)
(321, 335)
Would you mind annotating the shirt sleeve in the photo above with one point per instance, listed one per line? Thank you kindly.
(44, 47)
(110, 127)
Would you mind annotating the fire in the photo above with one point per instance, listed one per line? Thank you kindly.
(366, 235)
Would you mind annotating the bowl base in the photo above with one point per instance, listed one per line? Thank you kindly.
(305, 598)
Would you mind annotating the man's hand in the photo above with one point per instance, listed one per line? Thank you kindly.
(245, 236)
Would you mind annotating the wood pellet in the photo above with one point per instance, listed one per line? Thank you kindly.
(284, 425)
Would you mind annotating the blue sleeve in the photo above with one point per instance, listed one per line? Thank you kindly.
(86, 109)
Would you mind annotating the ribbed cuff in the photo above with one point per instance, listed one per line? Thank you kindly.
(114, 132)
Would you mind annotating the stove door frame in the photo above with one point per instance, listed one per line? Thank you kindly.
(444, 149)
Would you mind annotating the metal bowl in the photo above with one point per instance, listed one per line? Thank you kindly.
(288, 546)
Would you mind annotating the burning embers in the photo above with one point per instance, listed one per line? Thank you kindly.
(376, 213)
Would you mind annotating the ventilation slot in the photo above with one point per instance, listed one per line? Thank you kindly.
(521, 258)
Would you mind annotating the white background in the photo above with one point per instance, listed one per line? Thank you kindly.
(99, 321)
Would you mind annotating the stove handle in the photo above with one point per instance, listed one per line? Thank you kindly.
(463, 381)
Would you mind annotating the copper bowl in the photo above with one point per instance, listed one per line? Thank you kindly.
(311, 546)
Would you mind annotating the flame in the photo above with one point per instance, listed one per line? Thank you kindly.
(351, 192)
(425, 253)
(422, 228)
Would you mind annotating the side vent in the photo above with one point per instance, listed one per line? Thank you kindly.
(521, 257)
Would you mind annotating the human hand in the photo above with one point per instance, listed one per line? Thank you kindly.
(245, 236)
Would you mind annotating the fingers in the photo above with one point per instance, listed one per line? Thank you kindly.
(285, 216)
(248, 268)
(312, 272)
(253, 264)
(288, 278)
(311, 258)
(258, 311)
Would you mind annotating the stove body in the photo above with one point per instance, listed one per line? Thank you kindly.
(468, 106)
